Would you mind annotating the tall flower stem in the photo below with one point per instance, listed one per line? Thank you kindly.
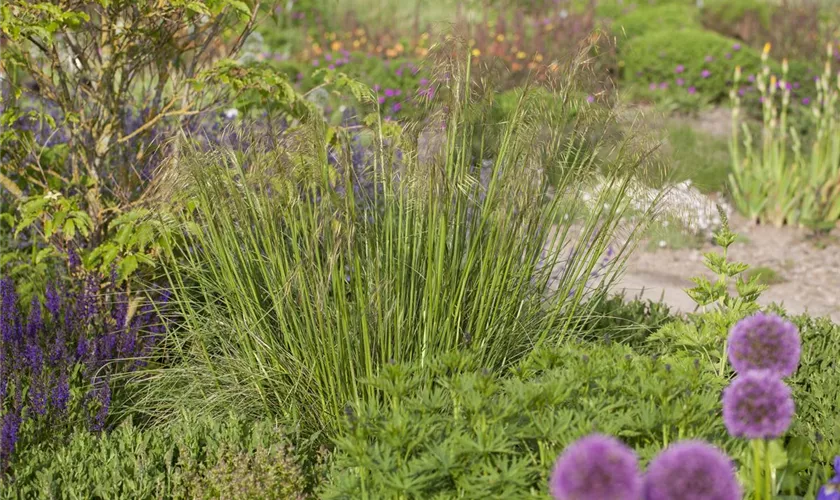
(757, 483)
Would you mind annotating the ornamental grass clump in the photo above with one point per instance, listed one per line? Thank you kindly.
(301, 274)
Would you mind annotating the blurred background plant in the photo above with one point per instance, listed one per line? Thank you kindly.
(781, 181)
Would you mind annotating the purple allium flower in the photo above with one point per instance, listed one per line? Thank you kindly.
(831, 490)
(764, 342)
(736, 46)
(751, 78)
(381, 99)
(652, 86)
(331, 66)
(680, 82)
(741, 92)
(705, 73)
(663, 85)
(709, 59)
(679, 69)
(396, 107)
(728, 55)
(691, 470)
(806, 101)
(596, 467)
(389, 93)
(692, 90)
(757, 405)
(590, 99)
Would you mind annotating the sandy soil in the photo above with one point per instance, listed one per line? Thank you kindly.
(810, 270)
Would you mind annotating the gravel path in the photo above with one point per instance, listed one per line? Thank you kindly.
(811, 271)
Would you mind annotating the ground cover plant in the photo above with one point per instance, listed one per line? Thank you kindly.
(369, 249)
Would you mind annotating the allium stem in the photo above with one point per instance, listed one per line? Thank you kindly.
(768, 471)
(757, 484)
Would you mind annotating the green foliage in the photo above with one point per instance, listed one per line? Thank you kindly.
(190, 458)
(300, 279)
(646, 20)
(730, 11)
(705, 334)
(655, 57)
(82, 71)
(697, 156)
(455, 430)
(776, 181)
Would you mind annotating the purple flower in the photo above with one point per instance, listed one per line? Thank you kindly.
(691, 470)
(652, 86)
(705, 73)
(679, 69)
(764, 342)
(396, 107)
(53, 301)
(757, 405)
(389, 93)
(751, 78)
(594, 468)
(663, 85)
(680, 82)
(806, 101)
(831, 490)
(8, 437)
(316, 62)
(709, 59)
(34, 324)
(692, 90)
(728, 55)
(103, 400)
(60, 393)
(381, 99)
(590, 99)
(736, 46)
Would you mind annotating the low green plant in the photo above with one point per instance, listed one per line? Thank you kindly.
(189, 458)
(765, 275)
(776, 182)
(455, 430)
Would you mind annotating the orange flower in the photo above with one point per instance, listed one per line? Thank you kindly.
(336, 46)
(500, 37)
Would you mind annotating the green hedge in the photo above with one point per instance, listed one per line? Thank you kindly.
(646, 20)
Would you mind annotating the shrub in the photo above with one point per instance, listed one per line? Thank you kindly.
(646, 20)
(687, 61)
(307, 271)
(474, 434)
(190, 458)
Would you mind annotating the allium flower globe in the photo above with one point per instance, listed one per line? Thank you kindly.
(596, 467)
(764, 342)
(757, 405)
(691, 470)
